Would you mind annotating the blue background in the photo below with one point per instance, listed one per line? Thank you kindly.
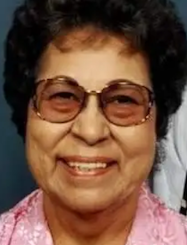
(15, 179)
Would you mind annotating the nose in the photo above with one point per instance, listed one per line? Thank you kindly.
(90, 125)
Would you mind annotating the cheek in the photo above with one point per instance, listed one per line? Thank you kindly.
(137, 146)
(42, 139)
(43, 134)
(139, 140)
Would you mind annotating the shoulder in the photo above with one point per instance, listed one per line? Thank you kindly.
(162, 225)
(156, 224)
(171, 226)
(10, 219)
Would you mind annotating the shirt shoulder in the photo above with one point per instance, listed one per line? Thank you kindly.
(156, 224)
(10, 219)
(171, 226)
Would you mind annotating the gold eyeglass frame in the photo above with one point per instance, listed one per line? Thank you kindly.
(97, 93)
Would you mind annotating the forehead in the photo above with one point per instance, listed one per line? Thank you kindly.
(94, 66)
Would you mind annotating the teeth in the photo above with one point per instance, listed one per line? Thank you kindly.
(87, 166)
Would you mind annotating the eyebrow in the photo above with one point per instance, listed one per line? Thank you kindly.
(75, 82)
(118, 80)
(58, 77)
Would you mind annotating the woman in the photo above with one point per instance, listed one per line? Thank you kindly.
(92, 84)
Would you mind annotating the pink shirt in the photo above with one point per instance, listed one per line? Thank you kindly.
(154, 224)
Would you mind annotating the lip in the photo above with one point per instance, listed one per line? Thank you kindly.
(84, 159)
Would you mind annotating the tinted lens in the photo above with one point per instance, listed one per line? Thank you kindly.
(125, 104)
(59, 101)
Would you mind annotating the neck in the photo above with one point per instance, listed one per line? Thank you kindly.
(110, 226)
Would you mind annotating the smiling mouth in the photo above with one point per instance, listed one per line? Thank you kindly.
(87, 165)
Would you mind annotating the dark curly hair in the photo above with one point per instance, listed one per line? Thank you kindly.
(151, 25)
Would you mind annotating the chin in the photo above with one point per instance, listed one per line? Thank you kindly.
(87, 202)
(89, 208)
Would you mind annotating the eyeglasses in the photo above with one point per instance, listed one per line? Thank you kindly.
(61, 99)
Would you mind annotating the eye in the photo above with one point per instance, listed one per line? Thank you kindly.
(64, 96)
(123, 99)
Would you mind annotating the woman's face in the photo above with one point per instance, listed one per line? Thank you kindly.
(90, 138)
